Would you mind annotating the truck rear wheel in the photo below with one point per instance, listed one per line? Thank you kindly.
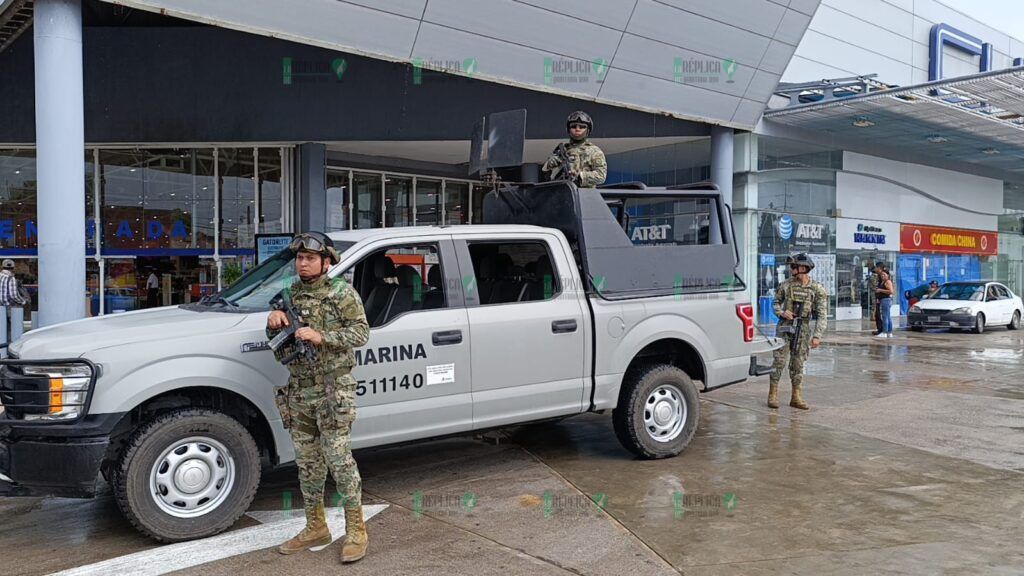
(187, 474)
(658, 411)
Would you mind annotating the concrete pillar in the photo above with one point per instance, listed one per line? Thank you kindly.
(312, 189)
(722, 164)
(60, 160)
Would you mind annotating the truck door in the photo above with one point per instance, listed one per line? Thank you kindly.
(414, 373)
(528, 328)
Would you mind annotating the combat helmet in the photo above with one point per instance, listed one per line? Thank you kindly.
(317, 242)
(581, 117)
(801, 259)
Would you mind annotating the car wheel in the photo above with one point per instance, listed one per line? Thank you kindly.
(1015, 322)
(658, 411)
(979, 323)
(187, 474)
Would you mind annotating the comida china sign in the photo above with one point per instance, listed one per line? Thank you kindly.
(915, 238)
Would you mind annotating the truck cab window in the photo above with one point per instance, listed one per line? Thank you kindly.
(510, 272)
(399, 280)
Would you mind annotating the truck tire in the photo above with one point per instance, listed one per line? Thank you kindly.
(658, 411)
(187, 474)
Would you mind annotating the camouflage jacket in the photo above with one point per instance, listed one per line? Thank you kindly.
(815, 300)
(332, 308)
(589, 161)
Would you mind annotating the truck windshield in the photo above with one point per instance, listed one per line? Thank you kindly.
(258, 287)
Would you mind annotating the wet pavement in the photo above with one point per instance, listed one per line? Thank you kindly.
(911, 461)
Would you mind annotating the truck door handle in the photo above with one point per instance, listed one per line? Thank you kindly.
(563, 326)
(447, 337)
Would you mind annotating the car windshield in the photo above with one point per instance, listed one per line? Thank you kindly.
(961, 292)
(258, 287)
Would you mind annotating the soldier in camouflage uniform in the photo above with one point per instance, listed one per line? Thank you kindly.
(798, 288)
(318, 404)
(589, 167)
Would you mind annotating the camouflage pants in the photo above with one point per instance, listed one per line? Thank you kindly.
(796, 363)
(321, 427)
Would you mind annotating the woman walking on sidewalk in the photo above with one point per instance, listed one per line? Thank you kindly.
(884, 292)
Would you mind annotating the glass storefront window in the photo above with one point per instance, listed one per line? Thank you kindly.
(366, 188)
(155, 200)
(397, 201)
(780, 235)
(18, 200)
(801, 191)
(478, 193)
(428, 202)
(337, 200)
(237, 197)
(456, 202)
(271, 219)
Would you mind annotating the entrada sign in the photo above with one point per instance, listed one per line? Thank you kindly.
(154, 230)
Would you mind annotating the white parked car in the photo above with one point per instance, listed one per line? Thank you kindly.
(972, 305)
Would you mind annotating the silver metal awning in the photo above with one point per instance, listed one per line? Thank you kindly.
(977, 118)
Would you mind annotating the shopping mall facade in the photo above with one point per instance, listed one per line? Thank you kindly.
(205, 132)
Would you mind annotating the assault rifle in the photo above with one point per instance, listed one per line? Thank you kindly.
(283, 302)
(796, 329)
(566, 165)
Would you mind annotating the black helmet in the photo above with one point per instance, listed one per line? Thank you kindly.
(801, 259)
(581, 117)
(317, 242)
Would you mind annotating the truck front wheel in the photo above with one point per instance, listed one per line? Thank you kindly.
(658, 411)
(187, 474)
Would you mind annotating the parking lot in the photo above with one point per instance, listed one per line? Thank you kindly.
(909, 461)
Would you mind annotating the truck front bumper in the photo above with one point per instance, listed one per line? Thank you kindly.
(40, 462)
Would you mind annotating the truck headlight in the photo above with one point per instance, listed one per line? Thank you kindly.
(964, 310)
(915, 309)
(69, 386)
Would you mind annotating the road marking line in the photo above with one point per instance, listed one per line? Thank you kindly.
(277, 527)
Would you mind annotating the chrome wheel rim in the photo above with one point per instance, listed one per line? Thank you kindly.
(192, 477)
(665, 413)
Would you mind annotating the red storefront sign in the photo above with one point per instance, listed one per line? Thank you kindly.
(914, 238)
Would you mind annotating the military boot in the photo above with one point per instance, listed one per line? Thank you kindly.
(316, 533)
(356, 539)
(797, 400)
(773, 395)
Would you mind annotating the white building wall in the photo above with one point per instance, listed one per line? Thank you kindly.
(859, 196)
(889, 38)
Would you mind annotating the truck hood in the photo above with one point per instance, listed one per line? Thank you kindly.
(74, 339)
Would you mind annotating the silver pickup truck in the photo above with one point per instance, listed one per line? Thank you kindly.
(577, 300)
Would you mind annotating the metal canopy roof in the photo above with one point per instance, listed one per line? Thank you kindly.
(977, 118)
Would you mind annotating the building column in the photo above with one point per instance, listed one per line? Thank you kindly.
(722, 164)
(60, 160)
(312, 190)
